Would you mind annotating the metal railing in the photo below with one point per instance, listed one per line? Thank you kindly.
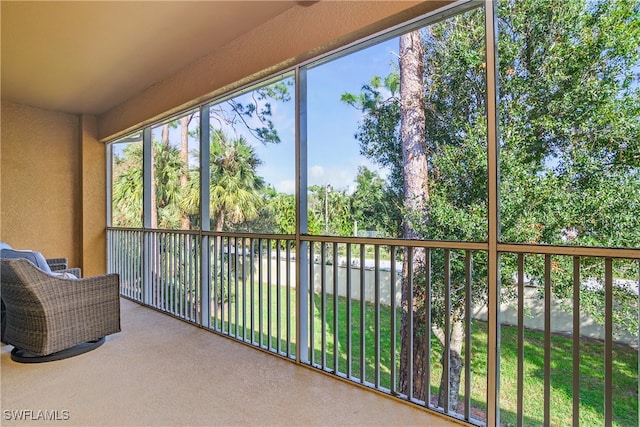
(373, 310)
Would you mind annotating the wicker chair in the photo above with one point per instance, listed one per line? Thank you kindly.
(50, 317)
(57, 266)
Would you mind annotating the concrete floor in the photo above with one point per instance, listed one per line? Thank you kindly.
(160, 371)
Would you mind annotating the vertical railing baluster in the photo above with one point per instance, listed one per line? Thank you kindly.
(140, 273)
(189, 277)
(269, 296)
(231, 298)
(174, 272)
(260, 295)
(468, 268)
(154, 294)
(547, 339)
(157, 270)
(446, 360)
(336, 293)
(193, 263)
(121, 264)
(410, 313)
(376, 270)
(168, 259)
(131, 270)
(157, 280)
(215, 283)
(394, 327)
(168, 276)
(312, 303)
(576, 341)
(164, 273)
(236, 289)
(137, 273)
(130, 283)
(127, 267)
(252, 285)
(608, 342)
(349, 307)
(288, 290)
(118, 265)
(171, 273)
(225, 297)
(427, 257)
(278, 298)
(186, 267)
(197, 278)
(154, 277)
(363, 313)
(182, 263)
(171, 258)
(244, 289)
(323, 304)
(177, 256)
(520, 389)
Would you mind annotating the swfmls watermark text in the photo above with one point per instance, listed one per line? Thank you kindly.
(36, 415)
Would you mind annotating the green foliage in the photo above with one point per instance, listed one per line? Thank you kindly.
(375, 206)
(569, 130)
(127, 187)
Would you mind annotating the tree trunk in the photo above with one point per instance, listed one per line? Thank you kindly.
(416, 198)
(184, 157)
(456, 363)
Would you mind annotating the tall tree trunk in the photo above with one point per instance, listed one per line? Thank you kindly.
(456, 363)
(184, 158)
(416, 201)
(164, 140)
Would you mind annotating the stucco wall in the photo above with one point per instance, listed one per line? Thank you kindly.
(40, 181)
(94, 235)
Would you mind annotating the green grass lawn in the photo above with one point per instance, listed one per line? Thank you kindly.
(349, 319)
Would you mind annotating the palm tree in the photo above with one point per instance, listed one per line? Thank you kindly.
(235, 189)
(127, 187)
(167, 188)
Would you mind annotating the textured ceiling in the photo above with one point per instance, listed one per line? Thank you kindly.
(87, 57)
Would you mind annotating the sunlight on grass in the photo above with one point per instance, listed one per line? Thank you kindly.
(283, 301)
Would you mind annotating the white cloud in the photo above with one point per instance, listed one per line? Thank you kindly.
(316, 172)
(287, 186)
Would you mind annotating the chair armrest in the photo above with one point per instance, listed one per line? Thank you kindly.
(93, 302)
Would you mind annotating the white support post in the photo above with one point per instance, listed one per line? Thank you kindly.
(493, 274)
(205, 222)
(302, 257)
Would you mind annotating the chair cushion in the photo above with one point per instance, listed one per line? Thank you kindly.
(35, 257)
(64, 275)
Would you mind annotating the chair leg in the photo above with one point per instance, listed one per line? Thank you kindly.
(24, 356)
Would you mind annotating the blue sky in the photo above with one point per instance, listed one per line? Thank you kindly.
(333, 152)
